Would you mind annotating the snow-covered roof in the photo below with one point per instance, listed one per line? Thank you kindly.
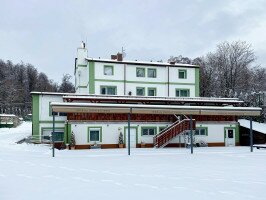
(256, 126)
(7, 115)
(153, 109)
(142, 63)
(140, 98)
(52, 93)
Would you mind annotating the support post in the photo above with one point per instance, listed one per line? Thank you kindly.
(67, 132)
(251, 136)
(128, 131)
(53, 132)
(191, 135)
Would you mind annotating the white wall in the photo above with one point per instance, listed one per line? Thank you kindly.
(160, 82)
(110, 131)
(173, 71)
(215, 131)
(44, 107)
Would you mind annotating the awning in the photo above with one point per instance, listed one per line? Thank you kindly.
(153, 109)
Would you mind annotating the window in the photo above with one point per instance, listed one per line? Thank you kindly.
(230, 133)
(140, 91)
(108, 70)
(94, 134)
(152, 73)
(201, 131)
(151, 91)
(58, 136)
(162, 128)
(148, 131)
(182, 73)
(108, 90)
(140, 72)
(182, 93)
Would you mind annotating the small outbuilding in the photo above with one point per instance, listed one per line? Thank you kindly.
(259, 132)
(9, 120)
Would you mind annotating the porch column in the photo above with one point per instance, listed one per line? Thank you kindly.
(191, 135)
(251, 136)
(53, 131)
(128, 129)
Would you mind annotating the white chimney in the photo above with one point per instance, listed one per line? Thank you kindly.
(82, 54)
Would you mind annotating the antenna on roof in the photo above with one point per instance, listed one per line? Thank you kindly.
(83, 45)
(123, 52)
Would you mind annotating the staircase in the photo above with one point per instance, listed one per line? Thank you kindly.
(166, 135)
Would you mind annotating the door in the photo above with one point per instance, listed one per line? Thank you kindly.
(133, 132)
(229, 137)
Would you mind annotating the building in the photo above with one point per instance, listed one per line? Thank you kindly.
(9, 121)
(259, 132)
(157, 97)
(119, 77)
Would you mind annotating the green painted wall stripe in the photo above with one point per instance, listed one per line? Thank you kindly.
(142, 82)
(35, 115)
(69, 133)
(197, 79)
(91, 77)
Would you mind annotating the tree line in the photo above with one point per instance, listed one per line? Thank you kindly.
(18, 80)
(231, 71)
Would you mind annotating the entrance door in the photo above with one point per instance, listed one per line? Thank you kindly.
(133, 132)
(229, 137)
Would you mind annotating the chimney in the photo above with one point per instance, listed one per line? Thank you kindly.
(172, 62)
(113, 57)
(119, 57)
(82, 54)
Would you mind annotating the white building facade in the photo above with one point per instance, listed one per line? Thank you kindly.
(114, 77)
(165, 83)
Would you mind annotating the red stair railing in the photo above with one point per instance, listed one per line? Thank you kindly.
(172, 131)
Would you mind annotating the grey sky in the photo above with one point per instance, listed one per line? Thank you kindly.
(47, 33)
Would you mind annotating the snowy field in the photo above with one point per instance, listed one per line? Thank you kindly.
(29, 172)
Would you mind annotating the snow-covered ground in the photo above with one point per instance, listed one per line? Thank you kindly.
(29, 172)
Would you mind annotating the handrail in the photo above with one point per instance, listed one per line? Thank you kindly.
(172, 131)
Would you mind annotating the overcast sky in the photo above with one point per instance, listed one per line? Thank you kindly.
(47, 33)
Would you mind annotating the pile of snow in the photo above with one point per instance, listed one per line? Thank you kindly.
(256, 126)
(12, 135)
(29, 172)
